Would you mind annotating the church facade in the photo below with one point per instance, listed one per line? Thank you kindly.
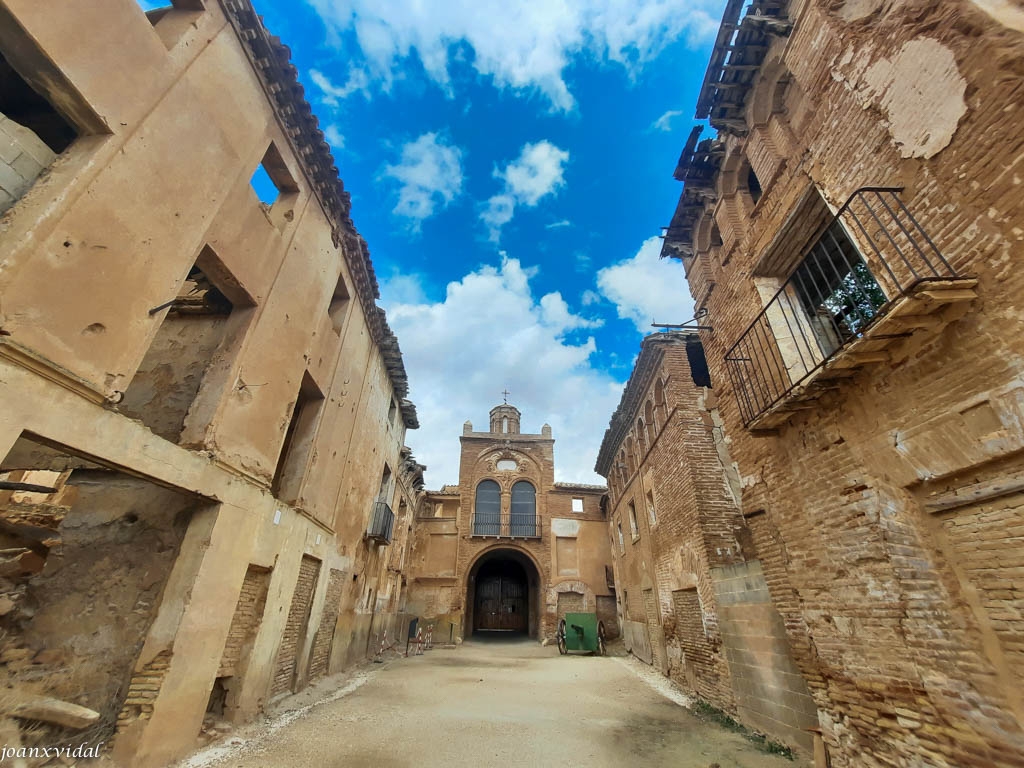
(508, 549)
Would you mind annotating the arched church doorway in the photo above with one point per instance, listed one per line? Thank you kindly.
(503, 595)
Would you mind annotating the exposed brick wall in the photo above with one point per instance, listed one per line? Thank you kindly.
(321, 656)
(670, 570)
(904, 625)
(569, 602)
(143, 690)
(245, 622)
(23, 156)
(606, 613)
(298, 615)
(701, 667)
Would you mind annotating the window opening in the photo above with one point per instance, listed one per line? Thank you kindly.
(524, 510)
(187, 366)
(32, 133)
(633, 529)
(392, 410)
(836, 289)
(698, 363)
(753, 185)
(298, 441)
(487, 509)
(272, 181)
(339, 305)
(577, 505)
(650, 508)
(622, 541)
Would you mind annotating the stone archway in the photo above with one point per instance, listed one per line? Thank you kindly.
(503, 589)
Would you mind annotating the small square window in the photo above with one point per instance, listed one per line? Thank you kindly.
(577, 505)
(272, 180)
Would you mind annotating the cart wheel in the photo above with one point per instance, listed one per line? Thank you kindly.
(562, 649)
(601, 650)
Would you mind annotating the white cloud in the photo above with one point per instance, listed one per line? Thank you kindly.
(430, 175)
(647, 288)
(558, 224)
(581, 262)
(333, 95)
(523, 44)
(334, 136)
(589, 297)
(664, 123)
(490, 333)
(539, 171)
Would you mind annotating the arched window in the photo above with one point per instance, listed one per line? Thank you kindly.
(660, 406)
(630, 456)
(652, 425)
(504, 424)
(487, 510)
(641, 438)
(524, 509)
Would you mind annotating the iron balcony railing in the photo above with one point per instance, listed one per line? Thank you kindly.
(869, 254)
(382, 523)
(510, 525)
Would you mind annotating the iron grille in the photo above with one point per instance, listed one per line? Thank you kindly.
(837, 292)
(512, 525)
(382, 522)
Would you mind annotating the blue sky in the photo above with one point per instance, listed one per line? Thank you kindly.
(510, 166)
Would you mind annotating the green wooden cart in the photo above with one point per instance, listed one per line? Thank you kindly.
(581, 632)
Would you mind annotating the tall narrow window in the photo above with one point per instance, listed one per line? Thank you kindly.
(392, 410)
(753, 185)
(339, 305)
(298, 441)
(622, 541)
(504, 424)
(650, 508)
(384, 493)
(633, 529)
(524, 509)
(487, 509)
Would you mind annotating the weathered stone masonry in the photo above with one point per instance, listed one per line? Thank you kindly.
(876, 423)
(204, 410)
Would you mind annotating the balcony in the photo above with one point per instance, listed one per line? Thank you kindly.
(510, 525)
(871, 277)
(382, 522)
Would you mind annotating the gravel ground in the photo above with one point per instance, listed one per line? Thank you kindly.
(490, 704)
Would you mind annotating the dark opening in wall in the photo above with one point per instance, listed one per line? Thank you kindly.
(753, 185)
(201, 330)
(298, 441)
(87, 562)
(338, 307)
(20, 103)
(698, 363)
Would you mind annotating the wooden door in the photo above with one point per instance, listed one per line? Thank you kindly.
(500, 604)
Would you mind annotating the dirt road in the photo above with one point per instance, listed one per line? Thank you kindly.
(496, 704)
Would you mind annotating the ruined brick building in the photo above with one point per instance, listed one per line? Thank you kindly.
(508, 549)
(205, 497)
(850, 237)
(693, 599)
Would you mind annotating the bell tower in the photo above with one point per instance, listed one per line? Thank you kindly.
(505, 419)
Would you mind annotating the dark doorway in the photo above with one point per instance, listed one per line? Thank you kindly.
(502, 601)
